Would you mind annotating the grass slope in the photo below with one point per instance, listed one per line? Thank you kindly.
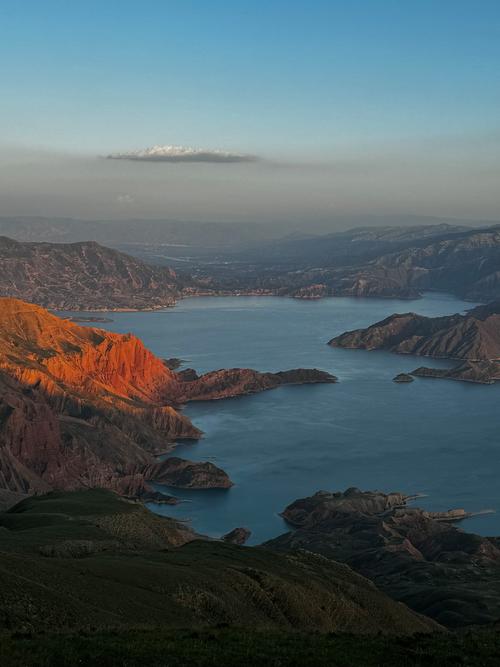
(242, 647)
(89, 559)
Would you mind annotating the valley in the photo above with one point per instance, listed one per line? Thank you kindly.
(87, 413)
(160, 265)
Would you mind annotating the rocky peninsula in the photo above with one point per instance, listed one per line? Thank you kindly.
(183, 474)
(415, 556)
(402, 378)
(84, 407)
(473, 338)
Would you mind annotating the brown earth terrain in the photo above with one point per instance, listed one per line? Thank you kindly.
(389, 262)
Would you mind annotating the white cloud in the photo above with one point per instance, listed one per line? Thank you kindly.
(125, 199)
(182, 154)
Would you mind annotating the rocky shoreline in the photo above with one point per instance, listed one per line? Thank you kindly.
(472, 338)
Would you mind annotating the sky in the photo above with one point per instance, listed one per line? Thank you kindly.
(249, 111)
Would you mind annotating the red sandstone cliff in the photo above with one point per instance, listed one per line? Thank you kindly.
(85, 407)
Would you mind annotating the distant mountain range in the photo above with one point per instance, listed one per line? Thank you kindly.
(119, 233)
(384, 261)
(211, 234)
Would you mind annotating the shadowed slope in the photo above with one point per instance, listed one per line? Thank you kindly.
(416, 556)
(243, 647)
(90, 559)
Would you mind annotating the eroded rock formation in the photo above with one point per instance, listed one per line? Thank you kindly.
(237, 536)
(84, 407)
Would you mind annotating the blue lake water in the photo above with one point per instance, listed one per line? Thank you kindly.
(436, 437)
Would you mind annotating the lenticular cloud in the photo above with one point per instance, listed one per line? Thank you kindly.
(181, 154)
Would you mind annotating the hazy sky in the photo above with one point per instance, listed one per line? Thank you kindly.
(297, 109)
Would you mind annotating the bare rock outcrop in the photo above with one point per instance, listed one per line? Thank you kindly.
(402, 378)
(482, 372)
(184, 474)
(237, 536)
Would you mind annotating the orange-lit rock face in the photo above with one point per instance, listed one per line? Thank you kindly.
(85, 407)
(40, 348)
(120, 365)
(79, 405)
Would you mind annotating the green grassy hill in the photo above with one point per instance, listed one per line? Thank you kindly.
(237, 647)
(89, 578)
(89, 559)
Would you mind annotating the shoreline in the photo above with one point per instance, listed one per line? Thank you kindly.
(223, 295)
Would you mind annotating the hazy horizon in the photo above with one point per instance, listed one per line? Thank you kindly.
(277, 228)
(299, 112)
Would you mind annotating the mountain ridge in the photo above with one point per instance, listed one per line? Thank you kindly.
(83, 276)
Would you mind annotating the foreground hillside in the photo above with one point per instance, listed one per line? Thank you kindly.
(83, 276)
(89, 578)
(243, 647)
(473, 338)
(89, 559)
(86, 407)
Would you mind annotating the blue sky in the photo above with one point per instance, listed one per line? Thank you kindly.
(292, 82)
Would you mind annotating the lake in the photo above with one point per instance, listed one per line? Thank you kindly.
(436, 437)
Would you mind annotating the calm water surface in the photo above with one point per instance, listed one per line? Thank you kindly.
(440, 438)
